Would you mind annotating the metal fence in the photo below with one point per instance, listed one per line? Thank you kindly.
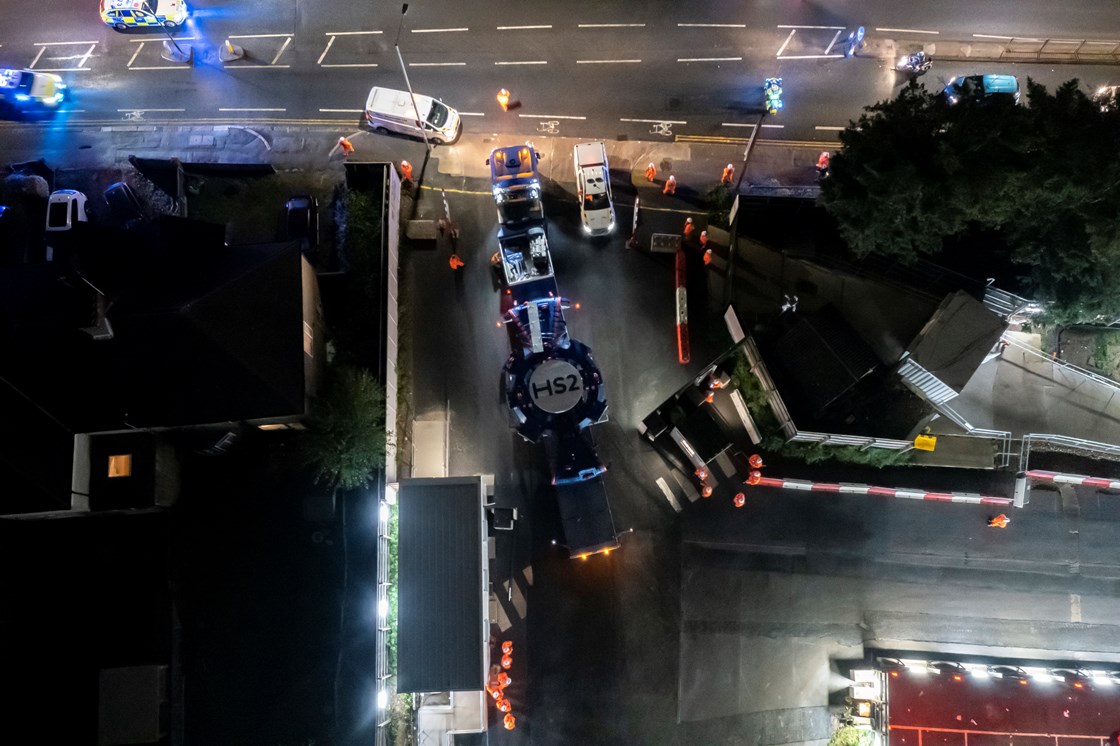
(1063, 443)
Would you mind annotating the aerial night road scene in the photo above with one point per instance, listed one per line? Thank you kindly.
(559, 373)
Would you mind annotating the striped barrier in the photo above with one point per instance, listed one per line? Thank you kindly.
(683, 352)
(864, 489)
(1057, 478)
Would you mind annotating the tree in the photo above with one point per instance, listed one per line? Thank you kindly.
(914, 172)
(346, 436)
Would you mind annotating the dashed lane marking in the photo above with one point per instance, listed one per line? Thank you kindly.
(522, 62)
(654, 121)
(604, 62)
(827, 28)
(711, 25)
(472, 114)
(709, 59)
(259, 36)
(437, 64)
(523, 28)
(829, 128)
(548, 116)
(907, 30)
(350, 33)
(342, 111)
(438, 30)
(611, 25)
(738, 124)
(220, 109)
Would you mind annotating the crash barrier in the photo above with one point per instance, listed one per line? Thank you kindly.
(902, 492)
(1058, 478)
(993, 48)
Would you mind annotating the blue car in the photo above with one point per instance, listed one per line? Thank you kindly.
(982, 87)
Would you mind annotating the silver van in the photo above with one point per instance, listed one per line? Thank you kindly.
(392, 111)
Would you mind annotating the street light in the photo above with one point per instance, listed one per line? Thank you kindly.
(146, 7)
(404, 71)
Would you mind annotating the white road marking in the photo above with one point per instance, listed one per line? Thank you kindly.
(437, 64)
(349, 64)
(34, 61)
(548, 116)
(774, 126)
(343, 111)
(1074, 607)
(57, 43)
(160, 67)
(604, 62)
(668, 494)
(523, 62)
(832, 43)
(134, 54)
(787, 41)
(712, 25)
(830, 129)
(522, 28)
(437, 30)
(654, 121)
(177, 38)
(282, 48)
(330, 42)
(708, 59)
(827, 28)
(471, 114)
(252, 109)
(908, 30)
(812, 57)
(350, 33)
(257, 67)
(611, 25)
(258, 36)
(126, 110)
(736, 124)
(88, 53)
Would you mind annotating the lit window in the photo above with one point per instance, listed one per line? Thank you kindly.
(120, 465)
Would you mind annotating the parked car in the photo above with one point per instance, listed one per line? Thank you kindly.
(388, 110)
(124, 206)
(593, 188)
(65, 208)
(977, 88)
(302, 218)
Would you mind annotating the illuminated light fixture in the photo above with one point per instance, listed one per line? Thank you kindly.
(1041, 676)
(863, 709)
(894, 674)
(1100, 678)
(957, 677)
(980, 672)
(1024, 682)
(1078, 685)
(382, 608)
(382, 699)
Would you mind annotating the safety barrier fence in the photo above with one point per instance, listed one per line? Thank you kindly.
(1064, 443)
(1057, 478)
(844, 488)
(1062, 364)
(987, 735)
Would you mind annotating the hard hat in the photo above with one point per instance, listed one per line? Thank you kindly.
(688, 220)
(730, 166)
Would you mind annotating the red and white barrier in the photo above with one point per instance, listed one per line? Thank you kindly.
(864, 489)
(1057, 478)
(683, 352)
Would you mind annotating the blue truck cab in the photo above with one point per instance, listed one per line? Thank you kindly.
(517, 184)
(977, 88)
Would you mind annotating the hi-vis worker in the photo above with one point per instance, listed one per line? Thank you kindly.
(704, 240)
(126, 14)
(728, 175)
(688, 228)
(455, 262)
(670, 186)
(406, 170)
(346, 145)
(1000, 521)
(651, 173)
(503, 99)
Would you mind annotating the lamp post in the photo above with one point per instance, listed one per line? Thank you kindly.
(179, 55)
(404, 71)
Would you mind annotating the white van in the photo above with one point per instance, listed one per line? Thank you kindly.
(392, 111)
(593, 185)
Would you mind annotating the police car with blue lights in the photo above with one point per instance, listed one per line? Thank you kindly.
(126, 14)
(24, 89)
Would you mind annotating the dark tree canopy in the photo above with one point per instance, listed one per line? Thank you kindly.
(914, 172)
(346, 438)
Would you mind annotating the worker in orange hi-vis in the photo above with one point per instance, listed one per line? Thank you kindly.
(503, 99)
(507, 661)
(755, 461)
(651, 173)
(706, 491)
(346, 145)
(703, 239)
(707, 257)
(754, 477)
(455, 262)
(688, 228)
(670, 186)
(503, 705)
(1000, 521)
(507, 647)
(510, 722)
(504, 680)
(406, 170)
(728, 175)
(740, 500)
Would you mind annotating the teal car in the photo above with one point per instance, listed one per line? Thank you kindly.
(982, 87)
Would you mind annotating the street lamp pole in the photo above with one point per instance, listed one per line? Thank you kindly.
(729, 286)
(404, 71)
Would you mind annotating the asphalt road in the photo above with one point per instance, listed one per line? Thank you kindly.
(653, 71)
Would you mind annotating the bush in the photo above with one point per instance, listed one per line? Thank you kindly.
(850, 736)
(346, 436)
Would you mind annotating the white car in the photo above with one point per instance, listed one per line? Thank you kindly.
(22, 88)
(65, 208)
(593, 186)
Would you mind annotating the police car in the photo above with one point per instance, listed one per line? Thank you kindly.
(23, 88)
(126, 14)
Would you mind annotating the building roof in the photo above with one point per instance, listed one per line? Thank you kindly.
(202, 332)
(441, 586)
(956, 339)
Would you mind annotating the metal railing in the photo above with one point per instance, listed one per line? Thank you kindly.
(1104, 381)
(1063, 443)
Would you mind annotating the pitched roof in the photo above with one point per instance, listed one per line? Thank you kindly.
(203, 332)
